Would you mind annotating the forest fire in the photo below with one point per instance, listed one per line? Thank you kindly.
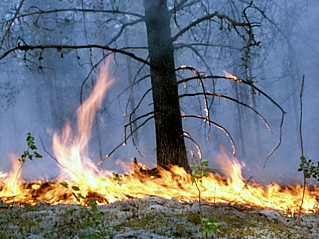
(86, 180)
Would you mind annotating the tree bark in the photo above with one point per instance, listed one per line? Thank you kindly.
(170, 144)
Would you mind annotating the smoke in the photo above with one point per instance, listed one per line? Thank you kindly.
(42, 103)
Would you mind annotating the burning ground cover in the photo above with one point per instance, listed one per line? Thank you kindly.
(143, 203)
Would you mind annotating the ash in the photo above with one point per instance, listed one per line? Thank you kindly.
(153, 217)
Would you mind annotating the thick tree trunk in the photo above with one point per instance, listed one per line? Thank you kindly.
(170, 144)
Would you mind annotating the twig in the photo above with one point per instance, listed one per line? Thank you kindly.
(40, 12)
(187, 135)
(62, 166)
(217, 126)
(301, 143)
(123, 142)
(132, 133)
(26, 47)
(260, 92)
(204, 92)
(236, 101)
(11, 22)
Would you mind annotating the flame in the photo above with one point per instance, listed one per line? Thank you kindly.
(12, 182)
(232, 77)
(77, 169)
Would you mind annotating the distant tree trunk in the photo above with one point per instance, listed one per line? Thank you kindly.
(170, 144)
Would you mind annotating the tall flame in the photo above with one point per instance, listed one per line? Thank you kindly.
(70, 148)
(12, 182)
(71, 151)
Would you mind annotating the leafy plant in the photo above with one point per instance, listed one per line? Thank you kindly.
(31, 152)
(200, 170)
(94, 216)
(309, 169)
(209, 226)
(116, 177)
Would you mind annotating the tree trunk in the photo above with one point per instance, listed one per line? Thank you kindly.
(170, 144)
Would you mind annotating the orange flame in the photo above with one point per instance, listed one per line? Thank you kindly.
(71, 151)
(12, 183)
(230, 76)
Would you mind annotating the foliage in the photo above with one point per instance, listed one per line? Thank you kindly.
(209, 226)
(116, 177)
(200, 170)
(94, 216)
(309, 169)
(31, 152)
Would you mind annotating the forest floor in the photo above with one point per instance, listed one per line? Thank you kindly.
(152, 217)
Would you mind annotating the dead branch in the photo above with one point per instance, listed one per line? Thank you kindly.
(183, 45)
(41, 12)
(131, 130)
(123, 142)
(208, 17)
(234, 100)
(26, 47)
(248, 83)
(301, 143)
(187, 135)
(217, 126)
(62, 166)
(11, 22)
(204, 91)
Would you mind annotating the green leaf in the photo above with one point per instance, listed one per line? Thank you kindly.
(76, 197)
(64, 185)
(75, 188)
(204, 161)
(37, 155)
(81, 196)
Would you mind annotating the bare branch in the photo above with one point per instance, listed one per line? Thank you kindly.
(248, 83)
(199, 151)
(123, 142)
(131, 130)
(234, 100)
(217, 126)
(11, 22)
(61, 47)
(62, 166)
(203, 88)
(208, 17)
(40, 12)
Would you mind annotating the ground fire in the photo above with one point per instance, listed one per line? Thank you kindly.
(85, 178)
